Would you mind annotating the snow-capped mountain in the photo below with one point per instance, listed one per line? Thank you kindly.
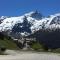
(2, 18)
(29, 22)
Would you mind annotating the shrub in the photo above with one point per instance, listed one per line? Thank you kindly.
(3, 48)
(45, 48)
(36, 46)
(56, 50)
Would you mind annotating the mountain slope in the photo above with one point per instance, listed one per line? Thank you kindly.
(50, 39)
(29, 23)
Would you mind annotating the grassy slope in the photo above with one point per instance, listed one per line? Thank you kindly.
(7, 42)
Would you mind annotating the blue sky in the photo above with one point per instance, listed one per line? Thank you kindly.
(19, 7)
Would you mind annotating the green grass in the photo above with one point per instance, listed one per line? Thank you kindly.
(8, 44)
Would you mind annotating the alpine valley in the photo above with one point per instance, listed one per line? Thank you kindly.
(45, 30)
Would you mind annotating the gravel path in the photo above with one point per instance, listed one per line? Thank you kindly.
(30, 56)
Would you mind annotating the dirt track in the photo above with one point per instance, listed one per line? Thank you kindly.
(30, 56)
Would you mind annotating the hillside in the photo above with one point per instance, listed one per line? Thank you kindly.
(49, 38)
(7, 42)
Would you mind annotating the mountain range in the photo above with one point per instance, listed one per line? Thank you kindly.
(28, 23)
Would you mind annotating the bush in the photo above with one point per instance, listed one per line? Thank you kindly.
(56, 50)
(45, 47)
(36, 46)
(3, 48)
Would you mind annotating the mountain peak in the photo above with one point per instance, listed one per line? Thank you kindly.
(34, 14)
(3, 17)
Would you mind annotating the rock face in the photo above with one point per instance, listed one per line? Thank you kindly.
(24, 43)
(28, 24)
